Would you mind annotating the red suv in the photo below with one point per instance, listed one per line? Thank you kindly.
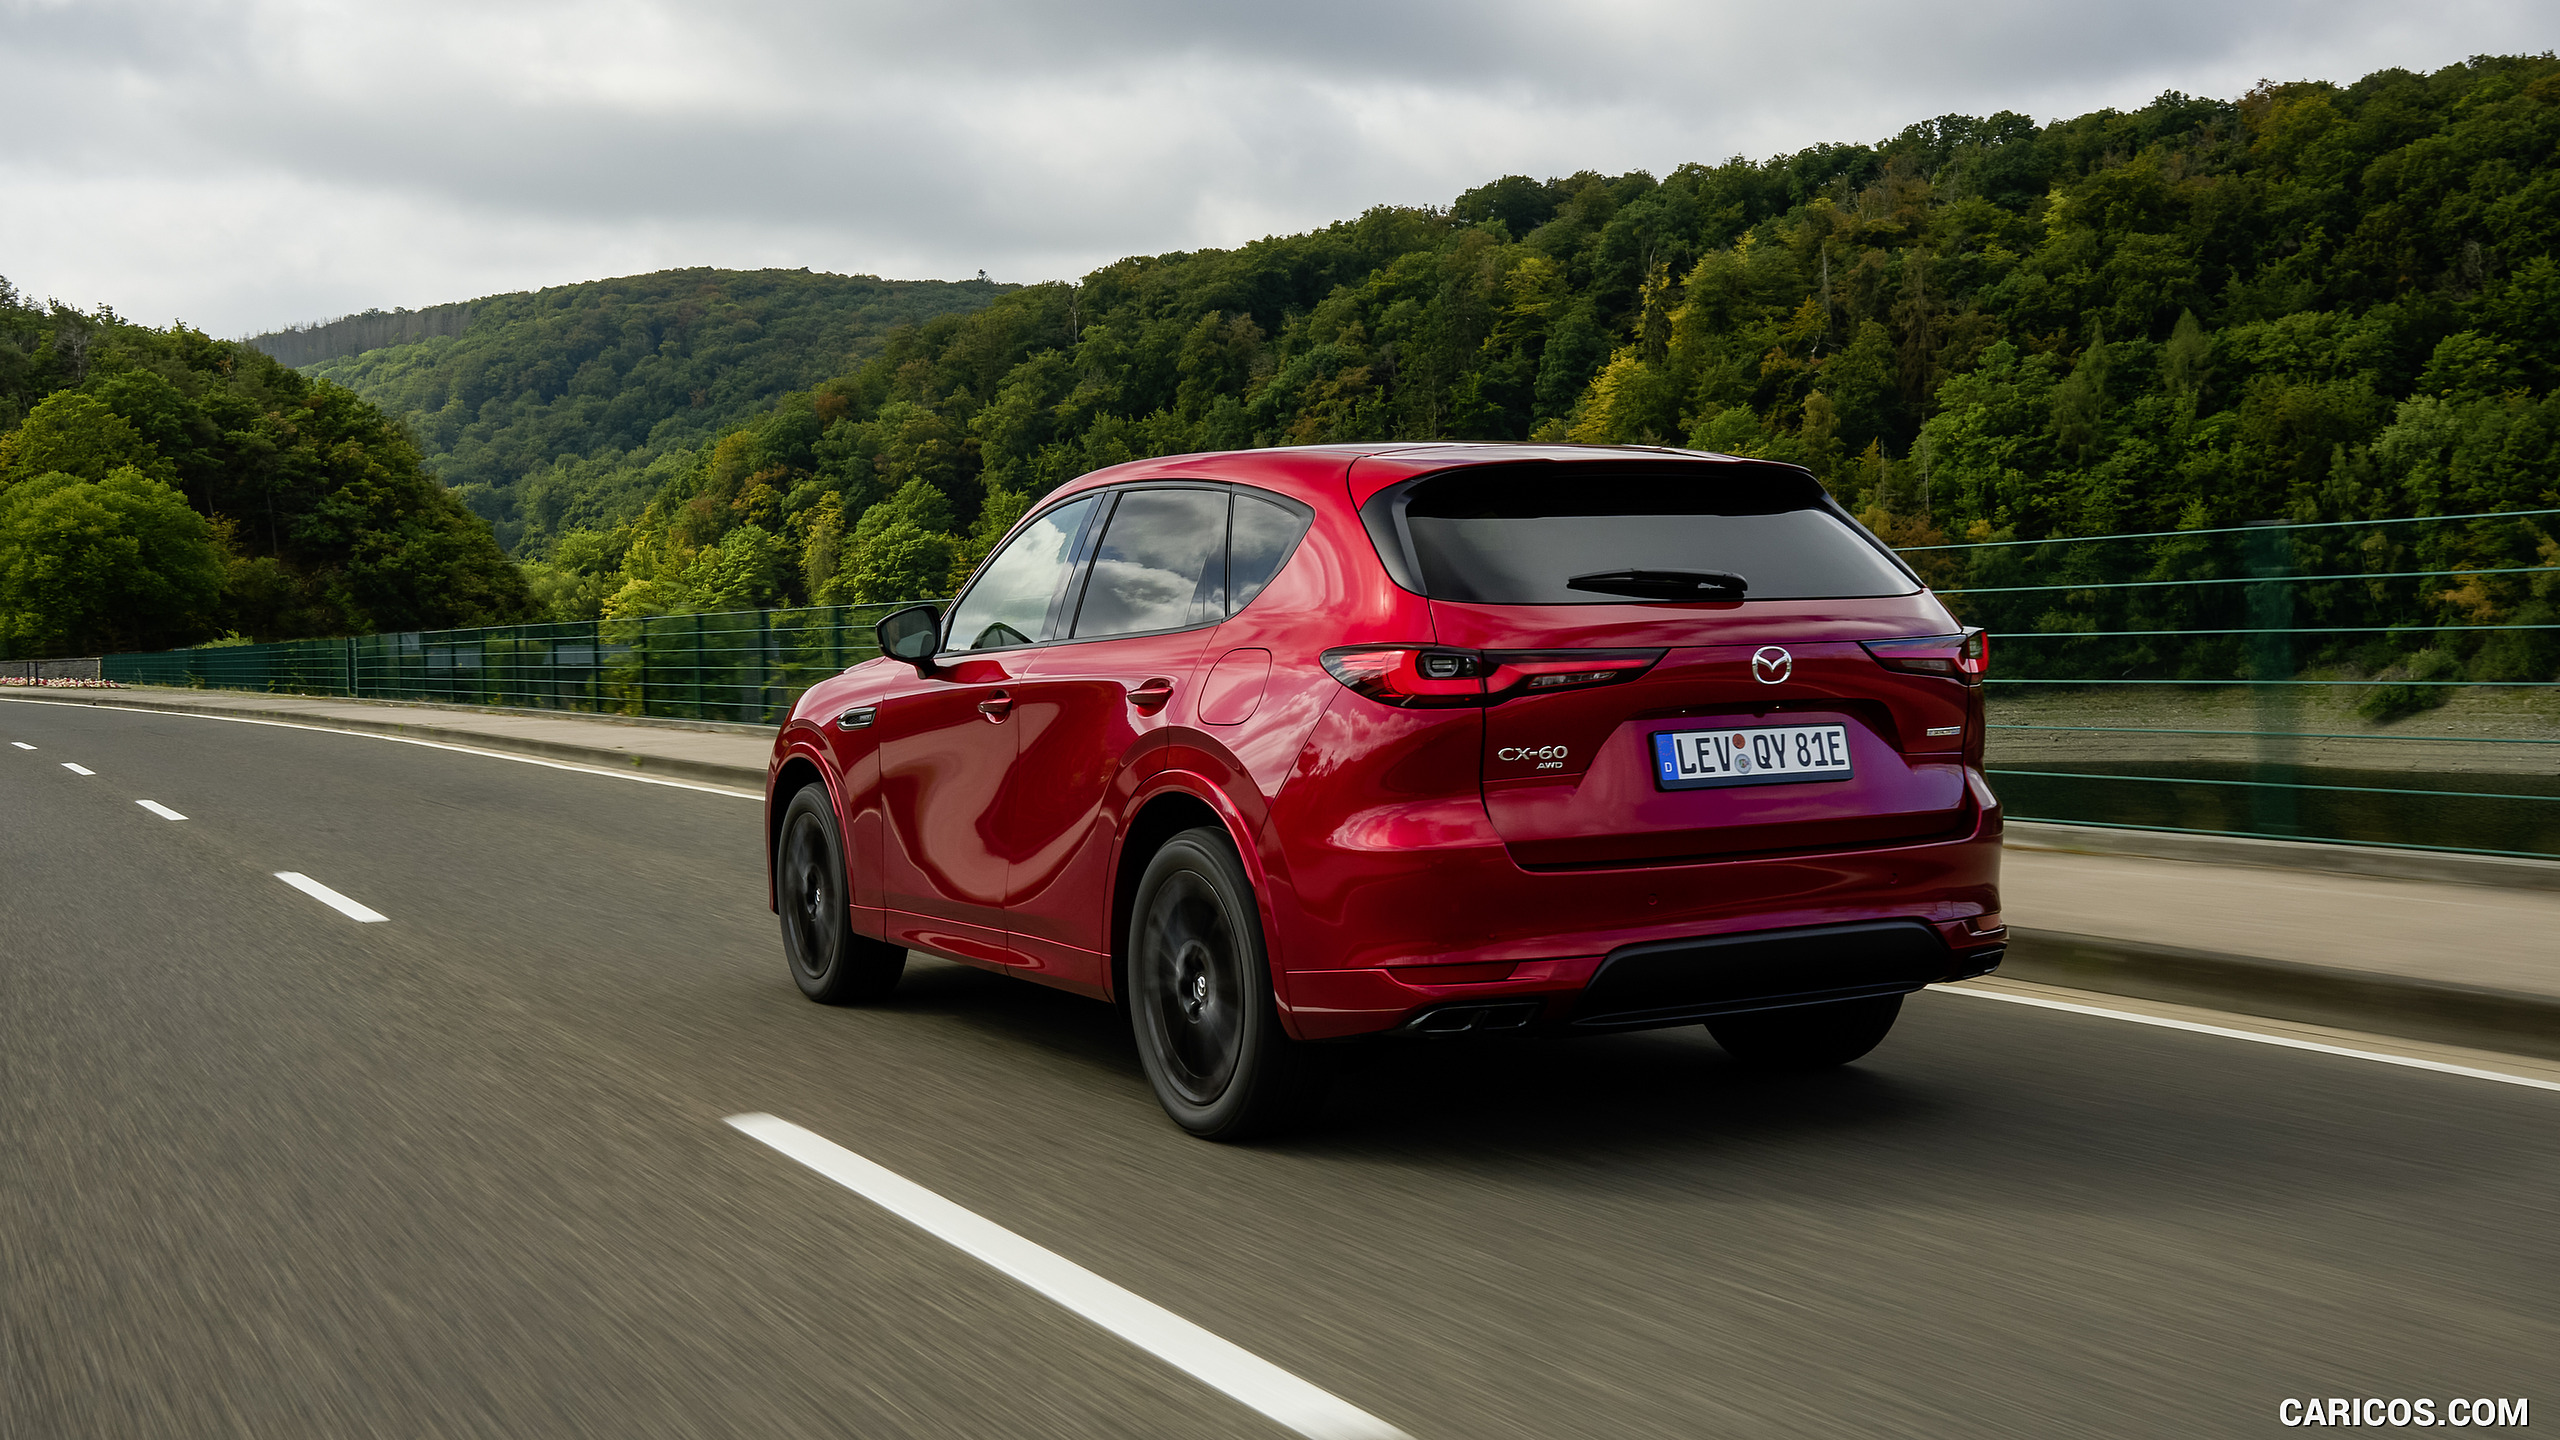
(1281, 747)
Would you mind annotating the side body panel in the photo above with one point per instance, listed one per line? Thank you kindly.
(848, 763)
(1326, 595)
(1090, 733)
(944, 766)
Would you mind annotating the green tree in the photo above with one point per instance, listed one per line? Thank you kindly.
(75, 435)
(323, 517)
(115, 563)
(900, 550)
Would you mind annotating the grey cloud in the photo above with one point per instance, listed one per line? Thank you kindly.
(345, 155)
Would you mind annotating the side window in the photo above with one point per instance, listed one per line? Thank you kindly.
(1264, 533)
(1010, 603)
(1161, 564)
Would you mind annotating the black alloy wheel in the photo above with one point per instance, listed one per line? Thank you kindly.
(1806, 1037)
(1200, 999)
(833, 965)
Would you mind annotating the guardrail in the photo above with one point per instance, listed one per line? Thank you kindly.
(744, 665)
(2281, 680)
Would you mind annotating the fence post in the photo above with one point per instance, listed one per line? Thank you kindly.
(2273, 811)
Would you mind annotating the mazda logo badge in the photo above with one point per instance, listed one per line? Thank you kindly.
(1771, 665)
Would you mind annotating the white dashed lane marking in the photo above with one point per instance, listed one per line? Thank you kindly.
(21, 744)
(156, 808)
(331, 898)
(78, 769)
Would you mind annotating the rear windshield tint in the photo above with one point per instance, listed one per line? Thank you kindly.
(1514, 536)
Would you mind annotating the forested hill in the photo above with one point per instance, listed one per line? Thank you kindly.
(549, 408)
(160, 487)
(2315, 300)
(299, 345)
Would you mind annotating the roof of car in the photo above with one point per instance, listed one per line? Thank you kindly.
(1321, 471)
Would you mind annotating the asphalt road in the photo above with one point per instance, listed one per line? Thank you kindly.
(268, 1171)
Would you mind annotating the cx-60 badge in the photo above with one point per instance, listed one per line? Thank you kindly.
(1771, 665)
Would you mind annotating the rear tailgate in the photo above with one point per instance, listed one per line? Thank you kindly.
(1577, 777)
(1676, 656)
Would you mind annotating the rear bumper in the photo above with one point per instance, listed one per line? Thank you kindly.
(1595, 951)
(1680, 982)
(1685, 982)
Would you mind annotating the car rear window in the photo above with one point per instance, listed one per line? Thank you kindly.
(1514, 535)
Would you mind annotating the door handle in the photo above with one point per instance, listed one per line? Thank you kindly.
(995, 707)
(1150, 695)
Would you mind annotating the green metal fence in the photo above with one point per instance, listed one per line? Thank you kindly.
(746, 666)
(2364, 682)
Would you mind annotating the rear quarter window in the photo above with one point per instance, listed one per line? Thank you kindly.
(1260, 537)
(1514, 535)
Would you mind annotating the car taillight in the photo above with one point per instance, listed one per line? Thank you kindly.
(1962, 657)
(1409, 676)
(1422, 677)
(1535, 672)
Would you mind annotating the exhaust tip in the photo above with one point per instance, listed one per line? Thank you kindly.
(1477, 1019)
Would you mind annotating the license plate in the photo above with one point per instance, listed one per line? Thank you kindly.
(1700, 759)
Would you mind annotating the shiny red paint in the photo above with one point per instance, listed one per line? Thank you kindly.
(1399, 861)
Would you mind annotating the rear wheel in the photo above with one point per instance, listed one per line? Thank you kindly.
(1806, 1037)
(1200, 999)
(833, 965)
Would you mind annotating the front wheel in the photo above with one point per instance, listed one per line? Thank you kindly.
(1806, 1037)
(1200, 999)
(833, 965)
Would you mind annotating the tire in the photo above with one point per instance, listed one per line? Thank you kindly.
(1200, 998)
(1806, 1037)
(833, 965)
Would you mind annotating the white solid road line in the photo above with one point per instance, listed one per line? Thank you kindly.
(1224, 1366)
(331, 898)
(732, 791)
(21, 744)
(2287, 1041)
(78, 769)
(156, 808)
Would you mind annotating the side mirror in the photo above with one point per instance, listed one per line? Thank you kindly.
(912, 635)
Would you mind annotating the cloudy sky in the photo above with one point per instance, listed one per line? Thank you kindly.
(242, 164)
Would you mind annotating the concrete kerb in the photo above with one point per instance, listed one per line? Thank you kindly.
(2376, 861)
(2377, 1002)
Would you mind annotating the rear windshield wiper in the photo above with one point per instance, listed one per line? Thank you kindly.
(1663, 584)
